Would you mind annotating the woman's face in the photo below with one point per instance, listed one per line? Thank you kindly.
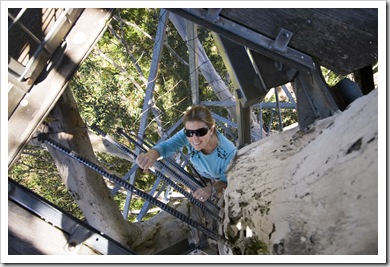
(199, 142)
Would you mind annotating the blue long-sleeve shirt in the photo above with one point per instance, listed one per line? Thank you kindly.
(212, 166)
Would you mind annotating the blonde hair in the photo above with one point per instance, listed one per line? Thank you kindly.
(198, 113)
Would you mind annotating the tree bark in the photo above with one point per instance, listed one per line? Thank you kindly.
(314, 193)
(91, 193)
(85, 185)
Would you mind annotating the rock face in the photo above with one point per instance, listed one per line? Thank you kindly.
(309, 193)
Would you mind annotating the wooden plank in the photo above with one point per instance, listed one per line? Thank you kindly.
(28, 235)
(248, 38)
(80, 237)
(343, 40)
(43, 96)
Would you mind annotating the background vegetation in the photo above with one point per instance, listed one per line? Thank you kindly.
(109, 89)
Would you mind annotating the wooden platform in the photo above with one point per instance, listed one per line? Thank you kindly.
(36, 227)
(28, 235)
(341, 39)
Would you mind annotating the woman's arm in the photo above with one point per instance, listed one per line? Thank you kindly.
(163, 149)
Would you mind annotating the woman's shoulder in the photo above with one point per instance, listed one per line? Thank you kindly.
(225, 143)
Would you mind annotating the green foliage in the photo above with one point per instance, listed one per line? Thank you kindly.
(113, 164)
(36, 171)
(330, 77)
(109, 88)
(270, 117)
(111, 95)
(256, 247)
(108, 101)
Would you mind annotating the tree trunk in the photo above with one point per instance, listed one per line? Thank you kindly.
(91, 193)
(314, 193)
(85, 185)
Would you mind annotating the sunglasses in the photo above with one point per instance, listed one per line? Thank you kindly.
(199, 132)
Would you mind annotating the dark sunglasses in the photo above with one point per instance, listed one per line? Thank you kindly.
(199, 132)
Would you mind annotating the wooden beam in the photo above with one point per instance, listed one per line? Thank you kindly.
(243, 124)
(341, 39)
(32, 219)
(42, 97)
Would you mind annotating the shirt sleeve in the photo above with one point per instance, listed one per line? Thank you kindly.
(172, 145)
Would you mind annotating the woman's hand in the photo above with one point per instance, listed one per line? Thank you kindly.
(146, 160)
(203, 194)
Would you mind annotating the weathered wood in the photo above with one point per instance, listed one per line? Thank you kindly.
(85, 185)
(341, 39)
(28, 235)
(42, 97)
(91, 195)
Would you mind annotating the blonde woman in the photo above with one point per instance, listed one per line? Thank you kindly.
(209, 151)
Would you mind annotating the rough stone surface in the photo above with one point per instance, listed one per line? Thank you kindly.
(309, 193)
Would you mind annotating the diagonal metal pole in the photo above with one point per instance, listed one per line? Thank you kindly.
(131, 188)
(158, 45)
(191, 29)
(278, 109)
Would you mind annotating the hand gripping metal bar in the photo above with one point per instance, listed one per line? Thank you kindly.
(132, 154)
(197, 184)
(199, 180)
(45, 139)
(188, 196)
(160, 175)
(161, 165)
